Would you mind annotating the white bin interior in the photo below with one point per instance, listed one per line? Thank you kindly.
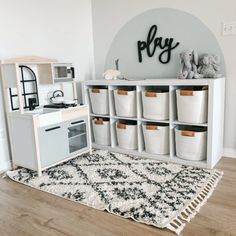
(126, 132)
(156, 138)
(155, 103)
(192, 105)
(101, 131)
(191, 142)
(99, 100)
(125, 102)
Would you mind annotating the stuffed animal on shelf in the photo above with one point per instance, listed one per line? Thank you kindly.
(209, 66)
(189, 62)
(111, 74)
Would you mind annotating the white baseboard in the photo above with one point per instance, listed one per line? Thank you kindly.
(5, 162)
(5, 166)
(229, 152)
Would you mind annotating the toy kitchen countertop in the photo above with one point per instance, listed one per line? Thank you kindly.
(46, 116)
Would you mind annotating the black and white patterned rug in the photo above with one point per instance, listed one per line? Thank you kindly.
(161, 194)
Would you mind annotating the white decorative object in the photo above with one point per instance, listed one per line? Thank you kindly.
(214, 124)
(99, 101)
(155, 105)
(111, 74)
(101, 131)
(156, 139)
(191, 144)
(125, 103)
(192, 106)
(127, 136)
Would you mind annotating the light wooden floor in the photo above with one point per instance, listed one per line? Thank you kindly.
(25, 211)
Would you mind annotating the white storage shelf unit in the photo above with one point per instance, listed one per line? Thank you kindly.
(214, 126)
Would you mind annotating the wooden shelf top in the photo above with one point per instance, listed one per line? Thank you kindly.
(28, 60)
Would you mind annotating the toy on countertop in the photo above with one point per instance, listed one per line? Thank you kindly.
(189, 62)
(209, 66)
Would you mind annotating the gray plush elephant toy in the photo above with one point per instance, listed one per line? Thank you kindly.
(209, 66)
(189, 62)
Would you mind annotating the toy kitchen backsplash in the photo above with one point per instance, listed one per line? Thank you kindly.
(44, 91)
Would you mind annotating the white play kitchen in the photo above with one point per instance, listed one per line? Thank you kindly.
(43, 135)
(166, 119)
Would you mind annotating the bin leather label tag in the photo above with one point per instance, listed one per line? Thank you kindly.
(188, 133)
(151, 94)
(184, 92)
(99, 121)
(121, 126)
(122, 92)
(152, 127)
(95, 90)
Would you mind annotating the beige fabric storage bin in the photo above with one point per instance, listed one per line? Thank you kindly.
(101, 131)
(127, 135)
(192, 106)
(191, 143)
(155, 105)
(99, 101)
(156, 138)
(125, 103)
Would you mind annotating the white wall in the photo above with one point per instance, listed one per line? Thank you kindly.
(48, 28)
(110, 15)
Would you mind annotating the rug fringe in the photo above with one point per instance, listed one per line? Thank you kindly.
(179, 222)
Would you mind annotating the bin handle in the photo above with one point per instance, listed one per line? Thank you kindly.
(99, 121)
(151, 94)
(95, 90)
(121, 126)
(184, 92)
(122, 92)
(188, 133)
(151, 127)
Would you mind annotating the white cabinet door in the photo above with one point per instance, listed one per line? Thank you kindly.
(53, 144)
(77, 135)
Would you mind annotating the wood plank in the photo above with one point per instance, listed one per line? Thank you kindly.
(28, 60)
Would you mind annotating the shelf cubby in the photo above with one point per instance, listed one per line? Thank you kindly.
(214, 125)
(142, 142)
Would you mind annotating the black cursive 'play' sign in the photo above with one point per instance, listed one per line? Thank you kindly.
(153, 42)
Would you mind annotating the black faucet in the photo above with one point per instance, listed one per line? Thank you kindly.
(32, 103)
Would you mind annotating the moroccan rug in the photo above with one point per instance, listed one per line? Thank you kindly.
(156, 193)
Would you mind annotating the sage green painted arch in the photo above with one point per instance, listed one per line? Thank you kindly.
(183, 27)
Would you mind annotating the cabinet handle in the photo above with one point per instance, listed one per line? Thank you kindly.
(57, 127)
(72, 72)
(77, 122)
